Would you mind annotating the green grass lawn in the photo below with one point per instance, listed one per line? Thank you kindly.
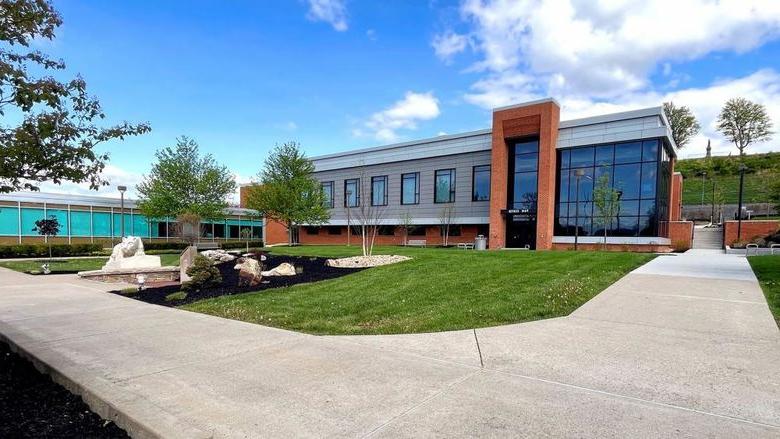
(75, 264)
(767, 269)
(438, 290)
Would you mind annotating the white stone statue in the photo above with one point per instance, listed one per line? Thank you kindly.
(130, 254)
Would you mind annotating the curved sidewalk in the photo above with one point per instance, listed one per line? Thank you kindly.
(684, 346)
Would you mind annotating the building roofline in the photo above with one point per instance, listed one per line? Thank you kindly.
(584, 121)
(527, 104)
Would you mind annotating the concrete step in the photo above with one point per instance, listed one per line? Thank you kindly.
(710, 238)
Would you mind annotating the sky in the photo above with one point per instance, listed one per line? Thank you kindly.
(241, 76)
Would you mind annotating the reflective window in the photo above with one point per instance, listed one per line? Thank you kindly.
(444, 186)
(480, 190)
(352, 192)
(379, 191)
(9, 220)
(327, 190)
(641, 182)
(410, 188)
(80, 223)
(525, 163)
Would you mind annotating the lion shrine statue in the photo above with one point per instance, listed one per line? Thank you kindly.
(130, 254)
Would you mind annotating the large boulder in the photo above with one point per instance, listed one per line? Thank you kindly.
(249, 274)
(218, 255)
(284, 269)
(185, 262)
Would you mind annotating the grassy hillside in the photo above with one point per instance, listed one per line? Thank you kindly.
(723, 171)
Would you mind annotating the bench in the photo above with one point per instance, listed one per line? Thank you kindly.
(416, 243)
(466, 245)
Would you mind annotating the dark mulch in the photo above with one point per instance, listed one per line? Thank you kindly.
(313, 270)
(34, 406)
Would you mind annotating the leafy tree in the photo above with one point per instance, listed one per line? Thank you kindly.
(288, 193)
(606, 200)
(183, 182)
(56, 138)
(744, 122)
(47, 227)
(683, 123)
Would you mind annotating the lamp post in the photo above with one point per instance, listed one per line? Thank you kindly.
(122, 190)
(579, 173)
(742, 169)
(703, 179)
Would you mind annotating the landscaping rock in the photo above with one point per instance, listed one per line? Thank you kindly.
(218, 255)
(185, 262)
(249, 273)
(365, 261)
(284, 269)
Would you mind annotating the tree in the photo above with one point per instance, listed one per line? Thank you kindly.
(445, 219)
(369, 217)
(606, 200)
(743, 122)
(406, 225)
(683, 123)
(288, 193)
(47, 227)
(57, 135)
(183, 184)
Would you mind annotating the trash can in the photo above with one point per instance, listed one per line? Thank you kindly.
(480, 242)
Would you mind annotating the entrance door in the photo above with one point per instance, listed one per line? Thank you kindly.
(521, 231)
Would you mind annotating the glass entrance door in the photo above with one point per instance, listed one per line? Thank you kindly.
(521, 231)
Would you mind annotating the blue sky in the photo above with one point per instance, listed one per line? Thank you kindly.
(240, 76)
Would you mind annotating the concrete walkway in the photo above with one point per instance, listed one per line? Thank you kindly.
(683, 347)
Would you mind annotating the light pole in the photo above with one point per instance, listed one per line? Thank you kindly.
(579, 173)
(703, 179)
(122, 190)
(742, 169)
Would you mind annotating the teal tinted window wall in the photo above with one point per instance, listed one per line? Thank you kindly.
(29, 217)
(9, 221)
(101, 224)
(80, 223)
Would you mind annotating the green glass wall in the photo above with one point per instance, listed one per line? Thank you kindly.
(80, 223)
(9, 221)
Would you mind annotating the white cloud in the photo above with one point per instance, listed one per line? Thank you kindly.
(404, 114)
(333, 12)
(606, 48)
(448, 45)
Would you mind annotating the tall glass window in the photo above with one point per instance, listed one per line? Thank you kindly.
(634, 169)
(80, 223)
(444, 186)
(524, 181)
(9, 220)
(327, 189)
(410, 188)
(480, 187)
(379, 191)
(352, 192)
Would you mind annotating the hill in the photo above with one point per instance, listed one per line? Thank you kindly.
(723, 171)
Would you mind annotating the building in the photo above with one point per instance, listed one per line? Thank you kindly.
(526, 183)
(93, 219)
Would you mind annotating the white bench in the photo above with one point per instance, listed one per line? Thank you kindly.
(416, 243)
(466, 245)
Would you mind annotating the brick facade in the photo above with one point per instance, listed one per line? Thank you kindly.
(541, 120)
(751, 229)
(681, 234)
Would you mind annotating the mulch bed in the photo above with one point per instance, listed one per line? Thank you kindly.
(34, 406)
(313, 270)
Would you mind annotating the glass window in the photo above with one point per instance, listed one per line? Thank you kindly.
(628, 208)
(444, 188)
(564, 159)
(526, 163)
(9, 220)
(649, 171)
(312, 230)
(141, 226)
(385, 230)
(352, 192)
(647, 207)
(454, 230)
(526, 147)
(29, 217)
(327, 189)
(334, 230)
(410, 188)
(62, 218)
(605, 155)
(219, 230)
(379, 191)
(585, 184)
(647, 226)
(80, 223)
(563, 186)
(627, 226)
(525, 195)
(581, 157)
(118, 225)
(626, 179)
(480, 187)
(650, 151)
(628, 152)
(101, 224)
(417, 231)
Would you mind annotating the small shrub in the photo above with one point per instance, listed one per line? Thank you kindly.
(179, 295)
(680, 246)
(41, 250)
(203, 274)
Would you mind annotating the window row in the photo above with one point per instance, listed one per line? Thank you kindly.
(630, 226)
(444, 188)
(77, 223)
(619, 153)
(454, 230)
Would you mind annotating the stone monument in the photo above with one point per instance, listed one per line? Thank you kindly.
(129, 254)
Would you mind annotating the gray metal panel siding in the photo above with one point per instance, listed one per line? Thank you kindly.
(465, 209)
(424, 150)
(630, 129)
